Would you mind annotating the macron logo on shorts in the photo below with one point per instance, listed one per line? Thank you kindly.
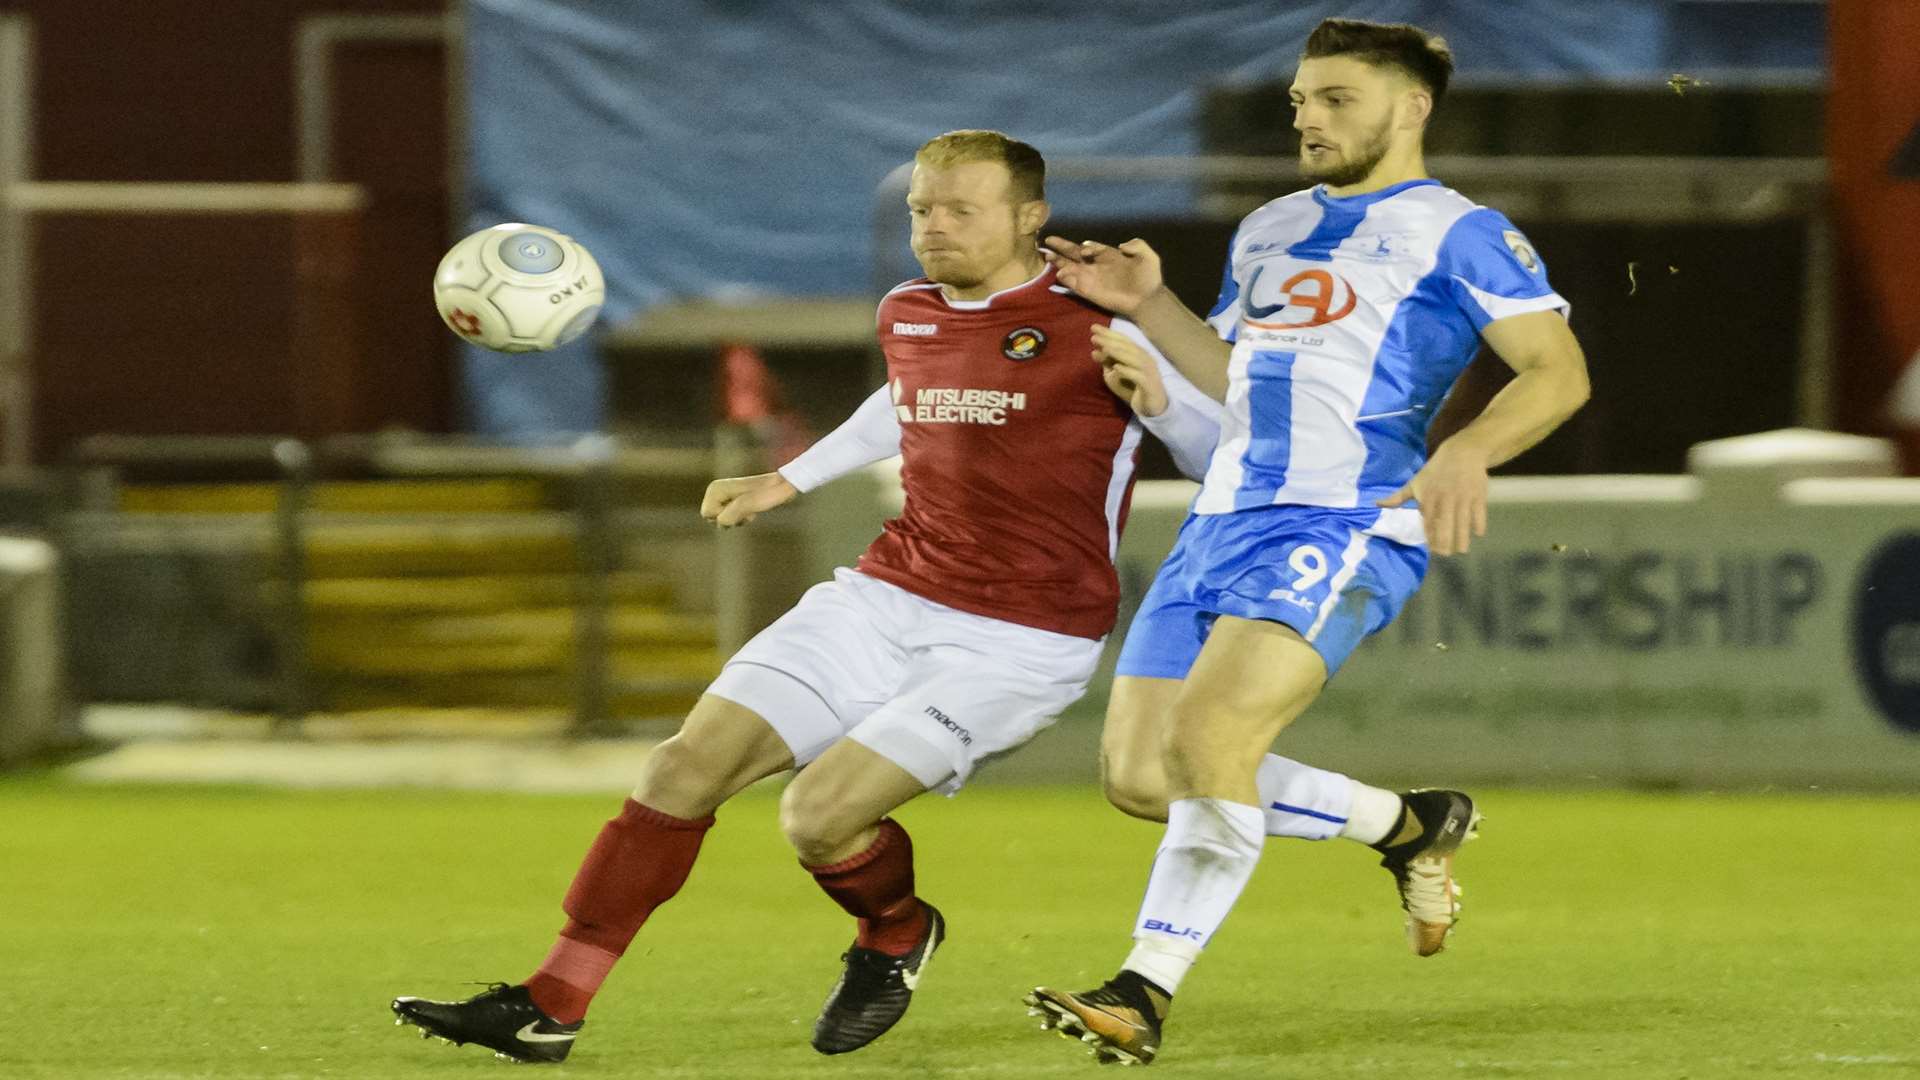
(966, 737)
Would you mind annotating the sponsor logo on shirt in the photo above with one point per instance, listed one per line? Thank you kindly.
(916, 329)
(1308, 298)
(956, 405)
(1023, 344)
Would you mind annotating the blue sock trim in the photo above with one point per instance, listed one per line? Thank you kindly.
(1304, 812)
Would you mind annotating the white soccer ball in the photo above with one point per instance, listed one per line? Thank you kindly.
(518, 288)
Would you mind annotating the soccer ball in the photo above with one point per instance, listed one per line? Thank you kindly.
(518, 288)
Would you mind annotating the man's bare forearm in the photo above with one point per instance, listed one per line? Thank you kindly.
(1186, 340)
(1472, 392)
(1527, 410)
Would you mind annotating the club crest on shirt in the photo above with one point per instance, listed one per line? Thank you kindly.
(1522, 250)
(1024, 343)
(1380, 247)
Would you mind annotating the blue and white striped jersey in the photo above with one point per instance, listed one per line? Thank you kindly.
(1350, 318)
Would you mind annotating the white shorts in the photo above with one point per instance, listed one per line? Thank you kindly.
(934, 690)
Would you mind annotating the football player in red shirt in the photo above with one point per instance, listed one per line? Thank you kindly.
(974, 618)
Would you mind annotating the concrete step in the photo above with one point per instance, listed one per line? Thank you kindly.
(531, 544)
(375, 597)
(418, 593)
(630, 625)
(638, 701)
(377, 657)
(353, 497)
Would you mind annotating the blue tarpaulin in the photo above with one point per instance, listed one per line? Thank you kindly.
(702, 148)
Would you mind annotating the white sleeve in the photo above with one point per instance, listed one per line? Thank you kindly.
(1191, 425)
(871, 434)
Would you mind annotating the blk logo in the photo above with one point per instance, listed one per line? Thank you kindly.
(1160, 926)
(1308, 298)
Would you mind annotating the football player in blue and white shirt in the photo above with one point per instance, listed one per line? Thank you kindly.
(1346, 312)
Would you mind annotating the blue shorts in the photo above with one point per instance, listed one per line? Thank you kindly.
(1314, 568)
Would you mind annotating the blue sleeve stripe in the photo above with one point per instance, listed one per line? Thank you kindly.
(1229, 288)
(1477, 250)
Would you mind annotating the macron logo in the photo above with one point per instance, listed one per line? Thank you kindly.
(945, 721)
(916, 329)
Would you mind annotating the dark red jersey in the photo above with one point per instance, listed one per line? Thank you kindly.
(1017, 460)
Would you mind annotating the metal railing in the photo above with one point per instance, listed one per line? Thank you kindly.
(591, 468)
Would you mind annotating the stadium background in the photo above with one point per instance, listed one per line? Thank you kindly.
(267, 525)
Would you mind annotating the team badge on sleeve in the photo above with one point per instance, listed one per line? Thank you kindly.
(1522, 250)
(1023, 344)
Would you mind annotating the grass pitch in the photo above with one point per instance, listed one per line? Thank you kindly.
(244, 933)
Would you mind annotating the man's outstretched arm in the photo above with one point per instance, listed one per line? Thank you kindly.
(871, 434)
(1126, 280)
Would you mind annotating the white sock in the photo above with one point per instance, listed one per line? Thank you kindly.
(1301, 801)
(1306, 803)
(1205, 859)
(1374, 816)
(1162, 961)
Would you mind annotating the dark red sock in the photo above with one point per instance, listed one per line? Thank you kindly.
(639, 860)
(876, 887)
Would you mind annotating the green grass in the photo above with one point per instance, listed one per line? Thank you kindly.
(240, 933)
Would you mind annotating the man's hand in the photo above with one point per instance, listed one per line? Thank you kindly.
(1130, 371)
(739, 499)
(1117, 278)
(1452, 491)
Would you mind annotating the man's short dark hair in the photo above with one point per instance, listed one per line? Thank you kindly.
(1422, 56)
